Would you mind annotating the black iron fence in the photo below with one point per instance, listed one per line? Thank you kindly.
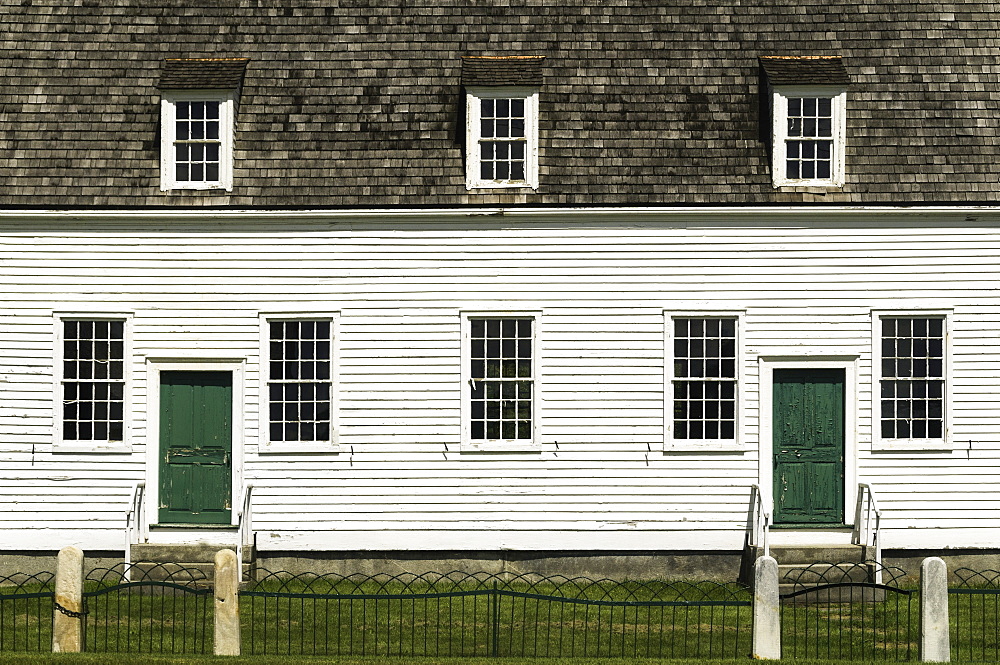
(147, 608)
(845, 612)
(854, 611)
(26, 612)
(460, 614)
(974, 608)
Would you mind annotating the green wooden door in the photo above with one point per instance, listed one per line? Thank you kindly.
(808, 426)
(196, 447)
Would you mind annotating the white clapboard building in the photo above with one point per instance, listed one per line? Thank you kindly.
(532, 288)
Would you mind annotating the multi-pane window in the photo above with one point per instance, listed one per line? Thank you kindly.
(704, 378)
(809, 141)
(502, 139)
(197, 141)
(300, 380)
(809, 129)
(93, 380)
(912, 383)
(197, 150)
(501, 377)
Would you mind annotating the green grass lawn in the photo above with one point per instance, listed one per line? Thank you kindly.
(470, 622)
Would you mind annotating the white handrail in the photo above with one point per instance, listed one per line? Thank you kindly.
(135, 525)
(758, 520)
(867, 522)
(244, 520)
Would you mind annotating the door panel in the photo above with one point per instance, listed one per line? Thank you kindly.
(196, 447)
(808, 433)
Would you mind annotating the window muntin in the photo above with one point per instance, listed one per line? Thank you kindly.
(502, 138)
(809, 141)
(501, 378)
(197, 148)
(300, 380)
(704, 378)
(197, 141)
(912, 384)
(93, 380)
(809, 127)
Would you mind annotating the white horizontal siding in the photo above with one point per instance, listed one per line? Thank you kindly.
(807, 288)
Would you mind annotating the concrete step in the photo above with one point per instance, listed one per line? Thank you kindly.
(822, 573)
(184, 573)
(204, 553)
(806, 554)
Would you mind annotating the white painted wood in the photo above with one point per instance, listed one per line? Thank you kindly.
(168, 134)
(151, 472)
(600, 479)
(473, 97)
(766, 397)
(331, 446)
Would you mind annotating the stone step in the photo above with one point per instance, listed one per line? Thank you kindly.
(806, 554)
(822, 573)
(838, 595)
(196, 573)
(175, 553)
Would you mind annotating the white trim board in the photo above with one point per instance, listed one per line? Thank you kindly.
(974, 214)
(766, 395)
(153, 369)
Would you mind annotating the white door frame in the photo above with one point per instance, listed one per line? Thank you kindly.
(153, 369)
(849, 364)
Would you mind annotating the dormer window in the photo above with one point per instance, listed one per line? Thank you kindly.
(808, 121)
(502, 137)
(197, 117)
(501, 121)
(197, 133)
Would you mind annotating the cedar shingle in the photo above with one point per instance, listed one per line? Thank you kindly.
(202, 74)
(357, 103)
(512, 70)
(789, 70)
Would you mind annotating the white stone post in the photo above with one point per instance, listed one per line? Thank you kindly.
(67, 617)
(766, 610)
(227, 604)
(935, 645)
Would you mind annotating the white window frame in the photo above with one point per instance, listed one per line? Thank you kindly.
(473, 131)
(268, 446)
(61, 445)
(500, 445)
(766, 365)
(670, 444)
(168, 134)
(779, 132)
(880, 443)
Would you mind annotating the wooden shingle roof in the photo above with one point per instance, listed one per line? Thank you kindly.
(791, 70)
(358, 103)
(202, 74)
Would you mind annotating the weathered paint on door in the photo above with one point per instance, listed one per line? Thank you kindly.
(808, 433)
(196, 447)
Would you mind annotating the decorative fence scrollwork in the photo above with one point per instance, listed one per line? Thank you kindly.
(147, 608)
(26, 612)
(974, 606)
(480, 614)
(837, 611)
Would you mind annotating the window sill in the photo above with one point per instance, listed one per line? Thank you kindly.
(206, 187)
(501, 185)
(706, 446)
(102, 448)
(501, 447)
(906, 445)
(280, 448)
(809, 187)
